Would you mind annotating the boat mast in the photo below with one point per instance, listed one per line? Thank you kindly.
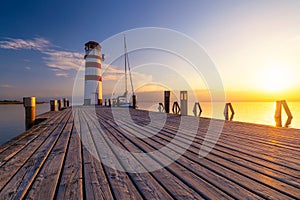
(128, 65)
(125, 51)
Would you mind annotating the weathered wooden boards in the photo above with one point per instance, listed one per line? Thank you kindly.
(58, 160)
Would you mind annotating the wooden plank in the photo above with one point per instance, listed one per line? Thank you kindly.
(95, 182)
(279, 160)
(249, 160)
(263, 166)
(176, 174)
(120, 182)
(146, 184)
(71, 186)
(51, 170)
(176, 187)
(19, 184)
(214, 179)
(192, 177)
(9, 168)
(266, 178)
(260, 181)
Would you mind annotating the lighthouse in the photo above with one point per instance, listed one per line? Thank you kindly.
(93, 74)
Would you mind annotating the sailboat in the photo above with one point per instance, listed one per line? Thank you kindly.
(124, 100)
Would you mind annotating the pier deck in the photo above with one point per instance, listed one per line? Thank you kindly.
(55, 160)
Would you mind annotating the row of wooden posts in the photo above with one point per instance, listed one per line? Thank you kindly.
(183, 108)
(62, 103)
(30, 109)
(197, 110)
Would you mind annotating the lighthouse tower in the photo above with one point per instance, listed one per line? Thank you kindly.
(93, 74)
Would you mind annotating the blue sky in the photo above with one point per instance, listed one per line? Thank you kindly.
(41, 42)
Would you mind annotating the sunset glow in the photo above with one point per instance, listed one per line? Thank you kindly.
(275, 77)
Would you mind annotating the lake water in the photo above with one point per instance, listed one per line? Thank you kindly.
(253, 112)
(12, 120)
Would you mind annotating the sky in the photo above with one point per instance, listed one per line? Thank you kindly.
(255, 45)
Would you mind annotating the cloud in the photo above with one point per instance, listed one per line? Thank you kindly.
(59, 61)
(111, 73)
(36, 44)
(6, 86)
(63, 60)
(62, 74)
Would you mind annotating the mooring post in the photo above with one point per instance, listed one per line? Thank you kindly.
(196, 107)
(65, 102)
(278, 117)
(68, 103)
(167, 101)
(29, 104)
(53, 105)
(226, 113)
(287, 109)
(109, 103)
(184, 103)
(134, 101)
(176, 108)
(161, 107)
(60, 104)
(278, 114)
(105, 102)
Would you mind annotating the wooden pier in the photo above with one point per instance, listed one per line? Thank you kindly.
(50, 161)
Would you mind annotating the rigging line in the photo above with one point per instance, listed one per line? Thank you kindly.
(125, 52)
(132, 90)
(127, 64)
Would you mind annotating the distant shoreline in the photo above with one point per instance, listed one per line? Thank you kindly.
(6, 102)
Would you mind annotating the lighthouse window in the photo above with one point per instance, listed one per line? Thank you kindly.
(92, 46)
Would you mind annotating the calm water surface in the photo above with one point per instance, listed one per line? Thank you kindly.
(12, 121)
(253, 112)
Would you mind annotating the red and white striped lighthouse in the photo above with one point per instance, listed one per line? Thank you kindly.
(93, 74)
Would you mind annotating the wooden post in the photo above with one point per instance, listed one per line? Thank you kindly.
(29, 104)
(167, 101)
(65, 102)
(60, 104)
(195, 109)
(286, 108)
(109, 103)
(278, 109)
(278, 114)
(53, 105)
(68, 103)
(176, 108)
(278, 117)
(105, 102)
(184, 103)
(161, 107)
(226, 113)
(134, 101)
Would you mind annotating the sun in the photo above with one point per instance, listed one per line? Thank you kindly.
(274, 78)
